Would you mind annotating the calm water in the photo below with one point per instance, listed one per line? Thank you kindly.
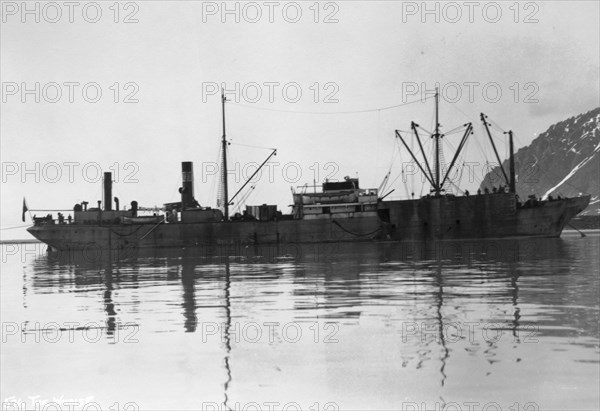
(503, 325)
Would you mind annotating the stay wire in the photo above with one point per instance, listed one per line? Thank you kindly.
(331, 112)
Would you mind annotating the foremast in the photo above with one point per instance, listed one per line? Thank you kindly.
(224, 181)
(224, 191)
(435, 178)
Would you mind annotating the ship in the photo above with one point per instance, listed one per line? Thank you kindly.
(339, 211)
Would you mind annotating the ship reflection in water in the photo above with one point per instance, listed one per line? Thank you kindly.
(361, 326)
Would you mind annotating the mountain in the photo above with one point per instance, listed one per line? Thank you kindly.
(564, 160)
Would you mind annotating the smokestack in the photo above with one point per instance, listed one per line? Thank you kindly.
(116, 203)
(187, 190)
(107, 191)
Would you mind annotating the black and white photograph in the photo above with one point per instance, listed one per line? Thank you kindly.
(300, 205)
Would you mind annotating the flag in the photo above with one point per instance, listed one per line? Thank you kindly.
(25, 209)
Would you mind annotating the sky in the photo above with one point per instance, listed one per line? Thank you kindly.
(132, 88)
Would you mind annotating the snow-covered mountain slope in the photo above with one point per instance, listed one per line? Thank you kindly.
(564, 160)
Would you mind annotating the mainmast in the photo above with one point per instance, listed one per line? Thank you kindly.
(224, 160)
(437, 188)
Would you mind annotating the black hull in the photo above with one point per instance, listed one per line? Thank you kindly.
(427, 219)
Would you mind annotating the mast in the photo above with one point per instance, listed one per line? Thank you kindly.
(224, 161)
(437, 144)
(437, 187)
(512, 184)
(435, 179)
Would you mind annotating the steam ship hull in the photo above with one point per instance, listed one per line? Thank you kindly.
(426, 219)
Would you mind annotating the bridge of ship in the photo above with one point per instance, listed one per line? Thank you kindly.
(344, 198)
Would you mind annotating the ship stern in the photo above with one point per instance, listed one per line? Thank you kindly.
(46, 235)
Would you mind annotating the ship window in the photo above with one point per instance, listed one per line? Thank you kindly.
(326, 210)
(358, 208)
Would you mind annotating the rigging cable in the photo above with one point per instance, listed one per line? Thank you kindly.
(332, 112)
(250, 146)
(13, 228)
